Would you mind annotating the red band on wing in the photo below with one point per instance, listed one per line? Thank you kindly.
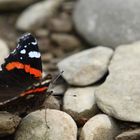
(27, 68)
(31, 91)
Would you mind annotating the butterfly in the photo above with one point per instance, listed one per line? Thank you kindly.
(22, 87)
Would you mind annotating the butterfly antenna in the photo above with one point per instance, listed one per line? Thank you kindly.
(54, 80)
(50, 93)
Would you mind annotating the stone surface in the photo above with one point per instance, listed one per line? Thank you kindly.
(108, 23)
(5, 51)
(129, 135)
(8, 123)
(119, 95)
(66, 41)
(58, 126)
(100, 127)
(86, 67)
(80, 103)
(38, 14)
(14, 4)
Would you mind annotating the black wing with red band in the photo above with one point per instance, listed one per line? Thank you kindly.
(22, 68)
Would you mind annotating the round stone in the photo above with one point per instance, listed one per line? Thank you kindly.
(47, 125)
(80, 103)
(86, 67)
(99, 127)
(119, 95)
(108, 23)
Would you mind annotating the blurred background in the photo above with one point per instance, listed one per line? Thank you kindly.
(66, 27)
(50, 21)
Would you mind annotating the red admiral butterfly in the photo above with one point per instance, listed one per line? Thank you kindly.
(21, 86)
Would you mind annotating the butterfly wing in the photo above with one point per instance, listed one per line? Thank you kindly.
(29, 100)
(21, 69)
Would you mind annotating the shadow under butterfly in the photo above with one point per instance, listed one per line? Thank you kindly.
(22, 88)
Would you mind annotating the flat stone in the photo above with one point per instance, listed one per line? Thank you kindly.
(38, 14)
(8, 123)
(86, 67)
(119, 95)
(80, 103)
(129, 135)
(58, 126)
(66, 41)
(99, 127)
(108, 23)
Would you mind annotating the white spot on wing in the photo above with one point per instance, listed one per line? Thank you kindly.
(21, 58)
(34, 43)
(23, 51)
(34, 54)
(25, 46)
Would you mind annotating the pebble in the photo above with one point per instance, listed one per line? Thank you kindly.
(86, 67)
(119, 95)
(38, 14)
(58, 126)
(52, 103)
(60, 24)
(80, 103)
(108, 23)
(5, 51)
(66, 41)
(99, 127)
(47, 57)
(41, 33)
(44, 43)
(129, 135)
(8, 123)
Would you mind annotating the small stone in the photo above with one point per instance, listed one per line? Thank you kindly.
(44, 43)
(99, 127)
(49, 67)
(119, 95)
(108, 22)
(86, 67)
(129, 135)
(60, 24)
(8, 123)
(80, 103)
(41, 33)
(52, 103)
(66, 41)
(58, 126)
(14, 4)
(38, 14)
(5, 51)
